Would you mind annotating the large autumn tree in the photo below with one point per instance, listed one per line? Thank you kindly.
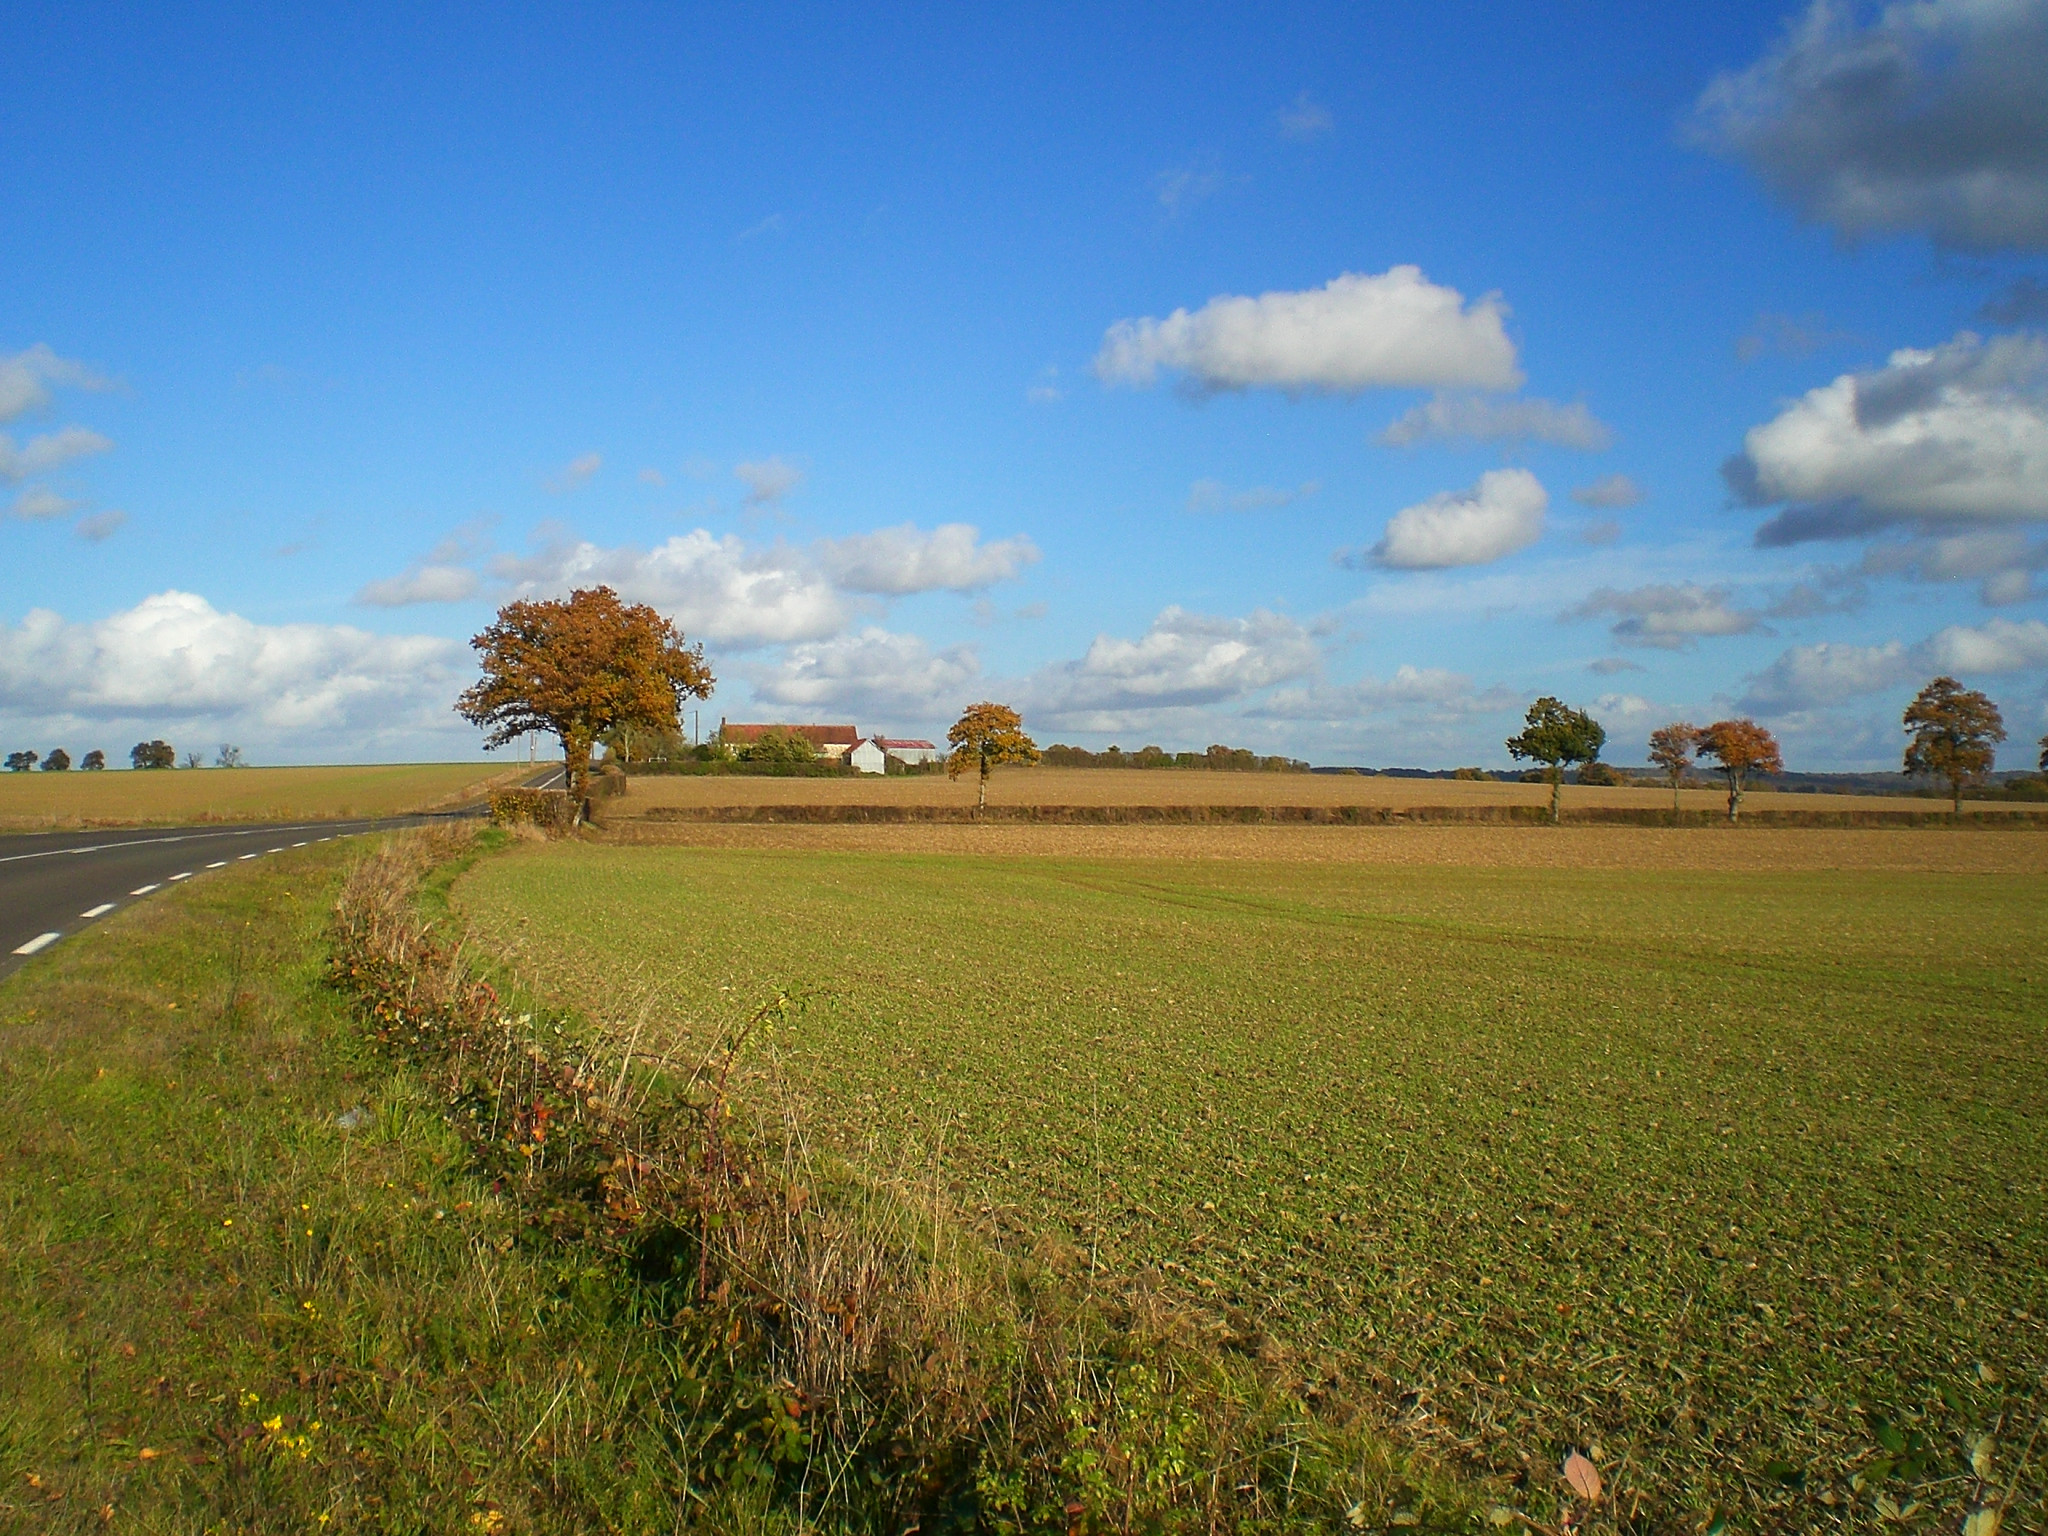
(578, 667)
(1555, 734)
(1740, 748)
(986, 735)
(1956, 732)
(1671, 749)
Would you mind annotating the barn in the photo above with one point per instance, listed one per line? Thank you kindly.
(905, 750)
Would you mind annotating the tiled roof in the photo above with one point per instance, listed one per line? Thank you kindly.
(817, 735)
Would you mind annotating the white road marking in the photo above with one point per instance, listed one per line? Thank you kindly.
(143, 890)
(185, 876)
(273, 850)
(99, 911)
(249, 856)
(218, 864)
(40, 941)
(298, 845)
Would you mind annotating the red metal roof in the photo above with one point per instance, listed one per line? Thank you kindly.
(887, 742)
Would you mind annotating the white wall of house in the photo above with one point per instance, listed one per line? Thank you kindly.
(866, 757)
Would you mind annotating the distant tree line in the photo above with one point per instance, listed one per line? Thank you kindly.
(1217, 758)
(144, 754)
(1952, 734)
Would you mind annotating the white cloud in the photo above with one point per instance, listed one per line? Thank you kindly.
(174, 662)
(1482, 420)
(575, 474)
(1395, 329)
(1501, 514)
(1183, 659)
(1998, 645)
(1609, 491)
(896, 561)
(2001, 559)
(1932, 117)
(768, 480)
(101, 525)
(1433, 694)
(1814, 676)
(421, 584)
(1215, 496)
(39, 504)
(723, 590)
(1668, 616)
(47, 451)
(1955, 434)
(716, 588)
(1305, 118)
(26, 377)
(874, 671)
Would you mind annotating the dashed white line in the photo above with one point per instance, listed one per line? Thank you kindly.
(142, 890)
(273, 850)
(99, 911)
(218, 864)
(185, 876)
(40, 941)
(249, 856)
(298, 845)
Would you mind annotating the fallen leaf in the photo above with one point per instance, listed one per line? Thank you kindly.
(1980, 1456)
(1584, 1479)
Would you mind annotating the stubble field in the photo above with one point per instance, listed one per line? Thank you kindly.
(1043, 786)
(42, 802)
(1731, 1172)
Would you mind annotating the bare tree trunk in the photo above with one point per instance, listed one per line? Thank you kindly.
(576, 770)
(1674, 794)
(1734, 799)
(1957, 786)
(1556, 793)
(981, 800)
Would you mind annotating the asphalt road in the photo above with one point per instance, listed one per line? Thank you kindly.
(52, 884)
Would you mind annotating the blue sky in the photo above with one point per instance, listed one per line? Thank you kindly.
(1326, 380)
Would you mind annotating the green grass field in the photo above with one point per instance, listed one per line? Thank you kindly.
(41, 802)
(1732, 1179)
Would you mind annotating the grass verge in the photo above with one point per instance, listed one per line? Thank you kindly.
(255, 1281)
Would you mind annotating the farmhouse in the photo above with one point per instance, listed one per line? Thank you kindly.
(832, 741)
(867, 756)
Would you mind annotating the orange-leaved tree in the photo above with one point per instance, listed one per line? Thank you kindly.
(579, 667)
(1671, 748)
(1955, 731)
(1741, 748)
(988, 734)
